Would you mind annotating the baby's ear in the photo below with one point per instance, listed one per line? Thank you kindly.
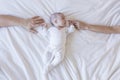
(55, 20)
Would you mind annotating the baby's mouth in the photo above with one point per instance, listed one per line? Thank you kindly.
(62, 26)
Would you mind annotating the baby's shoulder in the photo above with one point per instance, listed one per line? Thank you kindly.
(52, 29)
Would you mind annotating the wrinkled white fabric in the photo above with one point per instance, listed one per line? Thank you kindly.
(89, 55)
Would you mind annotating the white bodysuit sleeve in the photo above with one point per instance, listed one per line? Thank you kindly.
(44, 31)
(71, 29)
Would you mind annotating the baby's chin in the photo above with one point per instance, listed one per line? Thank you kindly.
(62, 26)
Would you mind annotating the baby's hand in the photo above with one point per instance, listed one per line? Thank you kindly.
(79, 25)
(46, 25)
(32, 23)
(75, 23)
(43, 24)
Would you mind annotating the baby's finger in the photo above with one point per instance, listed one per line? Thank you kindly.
(75, 24)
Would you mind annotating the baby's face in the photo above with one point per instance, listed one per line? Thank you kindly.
(60, 21)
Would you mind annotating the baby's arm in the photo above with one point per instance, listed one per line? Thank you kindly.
(44, 29)
(29, 23)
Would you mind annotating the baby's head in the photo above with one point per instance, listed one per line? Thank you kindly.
(58, 20)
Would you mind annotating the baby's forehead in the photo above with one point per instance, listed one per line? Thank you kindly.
(58, 15)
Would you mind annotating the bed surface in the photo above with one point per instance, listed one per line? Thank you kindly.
(89, 55)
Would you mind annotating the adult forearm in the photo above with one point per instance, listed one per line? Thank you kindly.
(104, 29)
(8, 20)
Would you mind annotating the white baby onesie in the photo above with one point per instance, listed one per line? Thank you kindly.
(56, 46)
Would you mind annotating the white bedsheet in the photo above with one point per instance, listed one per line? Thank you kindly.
(89, 55)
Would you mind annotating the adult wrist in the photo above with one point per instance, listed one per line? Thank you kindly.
(23, 22)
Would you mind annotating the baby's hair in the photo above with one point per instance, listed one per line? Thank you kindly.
(55, 15)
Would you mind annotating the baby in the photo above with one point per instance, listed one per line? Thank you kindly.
(57, 39)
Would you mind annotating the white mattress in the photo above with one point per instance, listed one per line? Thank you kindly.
(89, 55)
